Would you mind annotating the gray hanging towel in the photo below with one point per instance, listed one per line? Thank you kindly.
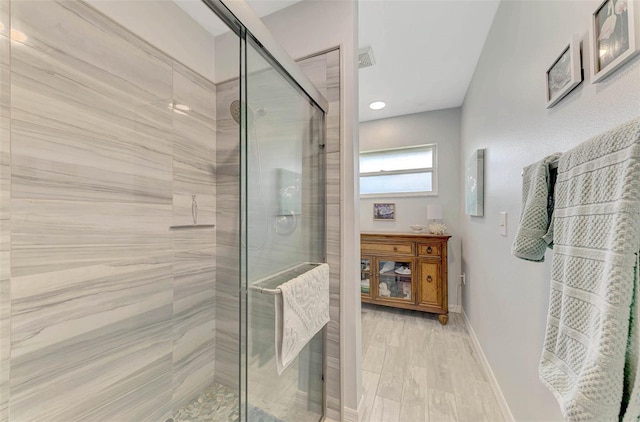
(590, 355)
(535, 231)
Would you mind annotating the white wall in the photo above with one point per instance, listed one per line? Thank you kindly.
(303, 29)
(504, 111)
(441, 127)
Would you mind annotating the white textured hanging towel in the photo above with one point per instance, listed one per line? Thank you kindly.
(590, 359)
(301, 311)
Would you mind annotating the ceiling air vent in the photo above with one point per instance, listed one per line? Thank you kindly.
(365, 57)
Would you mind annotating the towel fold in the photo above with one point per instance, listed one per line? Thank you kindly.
(590, 355)
(631, 392)
(301, 311)
(535, 232)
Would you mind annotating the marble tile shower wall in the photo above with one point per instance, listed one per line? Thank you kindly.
(110, 314)
(334, 230)
(324, 71)
(228, 238)
(5, 210)
(194, 173)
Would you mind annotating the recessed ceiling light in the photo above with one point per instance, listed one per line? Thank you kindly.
(377, 105)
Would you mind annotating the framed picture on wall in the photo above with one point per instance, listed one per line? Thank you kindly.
(565, 73)
(384, 212)
(474, 185)
(614, 37)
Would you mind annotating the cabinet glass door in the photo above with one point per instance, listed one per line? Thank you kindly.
(394, 279)
(365, 277)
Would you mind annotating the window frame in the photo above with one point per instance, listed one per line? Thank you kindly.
(433, 170)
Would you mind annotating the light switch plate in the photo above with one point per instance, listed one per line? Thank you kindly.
(503, 223)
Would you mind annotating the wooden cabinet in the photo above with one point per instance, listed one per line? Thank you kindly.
(405, 271)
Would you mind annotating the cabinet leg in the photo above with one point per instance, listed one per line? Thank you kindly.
(443, 319)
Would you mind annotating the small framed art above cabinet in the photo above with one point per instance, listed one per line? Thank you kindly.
(406, 271)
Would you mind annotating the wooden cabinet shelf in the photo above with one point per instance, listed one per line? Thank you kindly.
(405, 271)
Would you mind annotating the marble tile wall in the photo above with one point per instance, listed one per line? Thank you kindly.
(194, 157)
(91, 265)
(328, 82)
(228, 238)
(111, 315)
(5, 209)
(194, 147)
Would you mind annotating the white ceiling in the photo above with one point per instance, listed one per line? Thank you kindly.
(425, 50)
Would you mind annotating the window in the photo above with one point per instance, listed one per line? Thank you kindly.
(399, 172)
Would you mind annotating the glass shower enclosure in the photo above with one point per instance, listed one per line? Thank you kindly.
(281, 225)
(159, 160)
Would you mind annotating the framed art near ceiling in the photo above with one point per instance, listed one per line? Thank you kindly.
(384, 212)
(474, 185)
(614, 37)
(565, 73)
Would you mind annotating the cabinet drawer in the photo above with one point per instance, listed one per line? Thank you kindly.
(430, 289)
(429, 249)
(388, 248)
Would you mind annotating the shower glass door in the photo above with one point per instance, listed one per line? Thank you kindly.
(284, 216)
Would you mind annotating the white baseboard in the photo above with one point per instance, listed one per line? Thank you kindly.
(455, 309)
(350, 415)
(502, 402)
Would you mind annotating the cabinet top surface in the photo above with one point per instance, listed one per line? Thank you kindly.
(412, 235)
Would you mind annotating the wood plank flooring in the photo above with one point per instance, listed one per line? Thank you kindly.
(415, 369)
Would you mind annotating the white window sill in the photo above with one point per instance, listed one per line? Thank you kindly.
(397, 195)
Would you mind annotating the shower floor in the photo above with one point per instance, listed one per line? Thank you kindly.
(219, 403)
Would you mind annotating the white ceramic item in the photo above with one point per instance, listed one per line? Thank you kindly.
(417, 228)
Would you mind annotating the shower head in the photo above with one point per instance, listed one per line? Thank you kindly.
(234, 108)
(235, 111)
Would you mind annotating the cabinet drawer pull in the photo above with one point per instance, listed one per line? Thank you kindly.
(429, 279)
(429, 250)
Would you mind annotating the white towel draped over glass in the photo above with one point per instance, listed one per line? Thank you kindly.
(301, 311)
